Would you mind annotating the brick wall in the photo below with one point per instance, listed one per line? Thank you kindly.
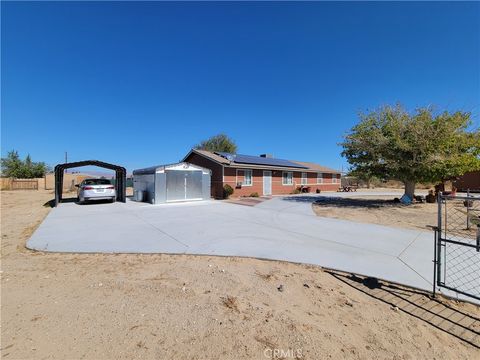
(232, 177)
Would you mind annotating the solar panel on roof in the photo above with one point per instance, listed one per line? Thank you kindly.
(258, 160)
(228, 156)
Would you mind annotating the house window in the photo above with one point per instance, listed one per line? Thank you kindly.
(304, 178)
(244, 177)
(334, 179)
(247, 177)
(287, 178)
(319, 178)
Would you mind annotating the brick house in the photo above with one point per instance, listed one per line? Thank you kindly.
(263, 174)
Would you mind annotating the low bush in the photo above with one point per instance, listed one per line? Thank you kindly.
(227, 191)
(296, 191)
(254, 194)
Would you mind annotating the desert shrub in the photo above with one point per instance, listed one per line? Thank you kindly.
(254, 194)
(227, 191)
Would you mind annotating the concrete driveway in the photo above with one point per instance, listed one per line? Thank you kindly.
(283, 228)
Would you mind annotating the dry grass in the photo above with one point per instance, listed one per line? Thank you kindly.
(266, 277)
(381, 210)
(231, 302)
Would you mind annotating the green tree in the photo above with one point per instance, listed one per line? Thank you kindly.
(28, 168)
(39, 169)
(13, 166)
(391, 143)
(220, 142)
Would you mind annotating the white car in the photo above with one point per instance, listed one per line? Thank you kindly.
(96, 189)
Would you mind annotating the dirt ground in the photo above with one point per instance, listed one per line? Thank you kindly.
(380, 210)
(94, 306)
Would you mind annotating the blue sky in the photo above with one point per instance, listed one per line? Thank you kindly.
(138, 84)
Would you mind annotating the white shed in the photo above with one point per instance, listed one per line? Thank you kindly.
(171, 183)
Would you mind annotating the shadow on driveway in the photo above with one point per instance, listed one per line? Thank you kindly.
(344, 201)
(357, 203)
(303, 199)
(51, 203)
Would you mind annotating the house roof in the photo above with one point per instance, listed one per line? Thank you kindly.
(211, 156)
(316, 167)
(251, 162)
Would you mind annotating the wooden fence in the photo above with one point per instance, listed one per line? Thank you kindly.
(19, 184)
(45, 183)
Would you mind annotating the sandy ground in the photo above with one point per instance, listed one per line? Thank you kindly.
(376, 209)
(94, 306)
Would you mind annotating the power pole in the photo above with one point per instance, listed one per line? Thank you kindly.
(66, 160)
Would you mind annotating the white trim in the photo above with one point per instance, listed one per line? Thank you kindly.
(319, 176)
(306, 178)
(287, 172)
(183, 166)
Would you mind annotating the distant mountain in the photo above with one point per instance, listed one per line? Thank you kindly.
(94, 173)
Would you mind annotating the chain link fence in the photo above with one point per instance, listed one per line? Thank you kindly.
(457, 256)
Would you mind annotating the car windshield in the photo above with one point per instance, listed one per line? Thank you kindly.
(97, 182)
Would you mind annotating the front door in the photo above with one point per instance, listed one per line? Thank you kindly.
(267, 183)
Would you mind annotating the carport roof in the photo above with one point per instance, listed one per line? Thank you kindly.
(89, 162)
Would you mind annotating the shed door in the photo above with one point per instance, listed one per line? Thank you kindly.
(193, 185)
(183, 185)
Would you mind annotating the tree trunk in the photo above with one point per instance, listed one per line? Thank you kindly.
(409, 188)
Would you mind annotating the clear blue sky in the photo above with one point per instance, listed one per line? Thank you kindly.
(139, 83)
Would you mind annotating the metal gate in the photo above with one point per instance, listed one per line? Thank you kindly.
(457, 245)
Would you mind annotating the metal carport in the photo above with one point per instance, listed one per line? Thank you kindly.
(120, 177)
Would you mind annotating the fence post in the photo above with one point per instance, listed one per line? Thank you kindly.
(435, 261)
(438, 250)
(478, 237)
(468, 209)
